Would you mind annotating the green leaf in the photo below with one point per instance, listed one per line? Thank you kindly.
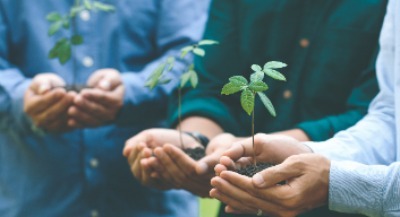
(164, 81)
(267, 103)
(66, 23)
(275, 74)
(76, 40)
(76, 10)
(230, 88)
(256, 67)
(274, 65)
(186, 50)
(88, 4)
(258, 86)
(155, 76)
(247, 101)
(207, 42)
(64, 52)
(54, 17)
(194, 79)
(199, 52)
(170, 63)
(238, 80)
(54, 28)
(185, 78)
(103, 7)
(257, 76)
(55, 50)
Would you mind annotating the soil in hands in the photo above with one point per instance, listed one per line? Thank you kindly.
(252, 169)
(75, 87)
(195, 153)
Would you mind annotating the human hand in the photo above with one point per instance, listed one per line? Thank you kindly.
(139, 153)
(183, 172)
(307, 185)
(46, 104)
(267, 148)
(100, 104)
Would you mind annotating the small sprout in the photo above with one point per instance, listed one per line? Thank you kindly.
(62, 49)
(256, 87)
(157, 76)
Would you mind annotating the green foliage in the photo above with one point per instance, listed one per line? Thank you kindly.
(62, 48)
(256, 86)
(157, 77)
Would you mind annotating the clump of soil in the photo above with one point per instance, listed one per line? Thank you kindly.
(75, 87)
(252, 169)
(195, 153)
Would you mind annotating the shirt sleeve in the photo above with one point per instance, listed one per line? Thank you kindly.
(373, 139)
(362, 189)
(364, 90)
(13, 85)
(174, 31)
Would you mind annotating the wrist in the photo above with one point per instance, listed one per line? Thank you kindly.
(200, 138)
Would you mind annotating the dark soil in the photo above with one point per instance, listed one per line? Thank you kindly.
(251, 170)
(195, 153)
(75, 87)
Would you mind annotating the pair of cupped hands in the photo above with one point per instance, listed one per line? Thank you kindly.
(157, 161)
(54, 109)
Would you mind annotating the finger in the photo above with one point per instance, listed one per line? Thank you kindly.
(45, 82)
(36, 104)
(90, 107)
(110, 81)
(207, 163)
(240, 149)
(276, 174)
(107, 99)
(86, 119)
(219, 168)
(143, 137)
(184, 163)
(54, 112)
(228, 163)
(171, 173)
(96, 77)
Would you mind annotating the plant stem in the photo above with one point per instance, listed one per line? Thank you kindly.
(252, 135)
(180, 116)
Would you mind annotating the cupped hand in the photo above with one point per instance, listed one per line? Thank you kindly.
(100, 104)
(305, 175)
(46, 104)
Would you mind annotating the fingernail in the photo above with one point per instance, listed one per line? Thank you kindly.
(105, 85)
(43, 88)
(258, 179)
(203, 167)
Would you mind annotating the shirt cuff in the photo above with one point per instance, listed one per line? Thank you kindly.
(356, 188)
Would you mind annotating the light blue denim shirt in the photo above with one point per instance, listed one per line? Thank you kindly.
(372, 185)
(83, 173)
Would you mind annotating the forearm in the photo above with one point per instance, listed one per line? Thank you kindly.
(368, 190)
(205, 126)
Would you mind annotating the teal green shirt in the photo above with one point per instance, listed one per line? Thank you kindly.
(330, 47)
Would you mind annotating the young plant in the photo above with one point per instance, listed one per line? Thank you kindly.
(159, 77)
(63, 48)
(256, 87)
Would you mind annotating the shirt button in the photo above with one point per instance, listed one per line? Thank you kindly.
(304, 43)
(287, 94)
(87, 61)
(85, 15)
(94, 163)
(94, 213)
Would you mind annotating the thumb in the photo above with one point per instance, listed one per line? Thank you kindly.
(276, 175)
(207, 163)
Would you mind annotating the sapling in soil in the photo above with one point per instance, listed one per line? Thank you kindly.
(249, 92)
(158, 77)
(63, 48)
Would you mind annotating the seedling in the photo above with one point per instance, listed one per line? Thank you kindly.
(256, 87)
(62, 50)
(159, 77)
